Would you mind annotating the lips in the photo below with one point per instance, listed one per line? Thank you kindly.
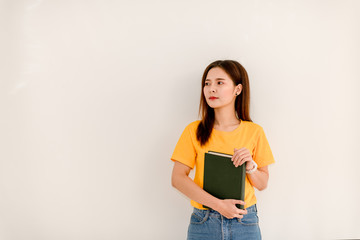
(213, 98)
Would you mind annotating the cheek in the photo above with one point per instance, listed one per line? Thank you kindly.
(228, 92)
(205, 91)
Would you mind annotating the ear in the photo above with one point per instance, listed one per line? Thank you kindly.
(239, 88)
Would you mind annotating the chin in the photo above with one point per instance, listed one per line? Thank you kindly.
(214, 106)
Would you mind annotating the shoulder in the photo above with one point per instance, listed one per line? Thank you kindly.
(250, 124)
(189, 132)
(252, 127)
(193, 126)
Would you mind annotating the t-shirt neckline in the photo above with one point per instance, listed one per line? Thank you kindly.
(233, 131)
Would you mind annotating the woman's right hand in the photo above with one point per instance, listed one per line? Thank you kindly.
(228, 208)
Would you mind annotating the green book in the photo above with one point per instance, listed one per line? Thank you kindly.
(222, 179)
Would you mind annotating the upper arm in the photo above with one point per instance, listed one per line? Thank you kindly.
(180, 169)
(185, 149)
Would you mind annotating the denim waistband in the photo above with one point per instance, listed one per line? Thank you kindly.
(214, 213)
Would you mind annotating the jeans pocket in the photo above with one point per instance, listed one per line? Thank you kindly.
(249, 219)
(199, 217)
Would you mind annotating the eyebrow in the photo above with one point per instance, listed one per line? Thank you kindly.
(215, 79)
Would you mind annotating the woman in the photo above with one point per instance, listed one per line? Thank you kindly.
(225, 127)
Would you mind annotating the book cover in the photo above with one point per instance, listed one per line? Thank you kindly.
(222, 179)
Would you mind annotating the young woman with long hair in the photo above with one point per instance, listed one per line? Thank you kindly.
(225, 127)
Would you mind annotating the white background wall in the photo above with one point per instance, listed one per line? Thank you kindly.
(95, 94)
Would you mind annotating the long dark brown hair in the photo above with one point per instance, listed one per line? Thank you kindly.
(238, 75)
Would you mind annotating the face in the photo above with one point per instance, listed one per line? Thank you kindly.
(219, 90)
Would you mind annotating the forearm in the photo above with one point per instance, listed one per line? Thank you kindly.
(189, 188)
(259, 179)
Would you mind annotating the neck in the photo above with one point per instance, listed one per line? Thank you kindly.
(225, 116)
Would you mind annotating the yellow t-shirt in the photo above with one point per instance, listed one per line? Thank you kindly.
(248, 134)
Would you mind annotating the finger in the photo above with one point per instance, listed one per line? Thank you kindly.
(240, 155)
(229, 215)
(242, 159)
(236, 159)
(236, 215)
(234, 155)
(241, 162)
(242, 211)
(242, 150)
(238, 149)
(235, 152)
(245, 154)
(238, 202)
(238, 152)
(247, 159)
(238, 162)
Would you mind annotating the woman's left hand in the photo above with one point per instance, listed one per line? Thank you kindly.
(242, 156)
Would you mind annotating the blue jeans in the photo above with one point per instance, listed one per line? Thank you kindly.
(211, 225)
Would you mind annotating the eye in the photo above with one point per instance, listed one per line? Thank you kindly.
(207, 83)
(220, 83)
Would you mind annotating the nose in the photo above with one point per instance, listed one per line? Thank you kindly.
(212, 89)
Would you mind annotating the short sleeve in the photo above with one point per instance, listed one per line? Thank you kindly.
(262, 152)
(185, 150)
